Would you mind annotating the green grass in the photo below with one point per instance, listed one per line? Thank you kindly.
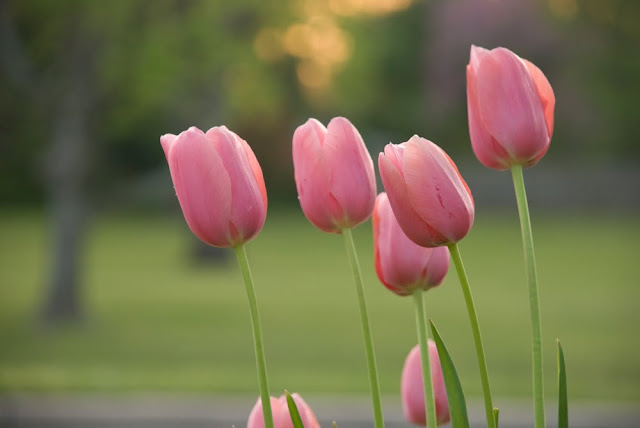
(156, 321)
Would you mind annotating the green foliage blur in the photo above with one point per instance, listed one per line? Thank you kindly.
(395, 68)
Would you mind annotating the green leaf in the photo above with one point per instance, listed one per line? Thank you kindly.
(496, 415)
(455, 395)
(293, 411)
(563, 406)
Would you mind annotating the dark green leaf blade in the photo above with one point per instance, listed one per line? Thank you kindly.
(455, 395)
(293, 411)
(563, 405)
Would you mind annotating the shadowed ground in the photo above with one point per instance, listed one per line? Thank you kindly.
(163, 412)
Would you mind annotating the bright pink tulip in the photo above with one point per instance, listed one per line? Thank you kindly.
(219, 185)
(334, 174)
(510, 106)
(412, 388)
(430, 199)
(402, 265)
(281, 416)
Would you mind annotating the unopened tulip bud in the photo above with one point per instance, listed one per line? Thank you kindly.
(281, 416)
(402, 265)
(510, 105)
(430, 200)
(219, 185)
(412, 388)
(334, 174)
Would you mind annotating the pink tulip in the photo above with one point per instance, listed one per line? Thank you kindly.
(219, 185)
(402, 265)
(510, 105)
(412, 388)
(281, 416)
(430, 200)
(334, 174)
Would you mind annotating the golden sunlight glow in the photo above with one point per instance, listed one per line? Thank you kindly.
(370, 7)
(320, 39)
(319, 44)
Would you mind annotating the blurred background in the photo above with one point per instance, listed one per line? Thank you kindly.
(104, 291)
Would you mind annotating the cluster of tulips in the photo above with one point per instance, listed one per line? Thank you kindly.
(426, 210)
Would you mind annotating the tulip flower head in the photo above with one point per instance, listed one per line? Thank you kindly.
(334, 174)
(429, 197)
(281, 416)
(219, 185)
(412, 388)
(510, 105)
(402, 265)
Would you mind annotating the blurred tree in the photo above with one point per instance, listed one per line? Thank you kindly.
(101, 82)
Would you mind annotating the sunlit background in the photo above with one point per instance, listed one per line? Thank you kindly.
(103, 290)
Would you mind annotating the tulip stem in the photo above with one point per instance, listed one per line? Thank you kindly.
(241, 255)
(534, 300)
(477, 338)
(366, 329)
(429, 401)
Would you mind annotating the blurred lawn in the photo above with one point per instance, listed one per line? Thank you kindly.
(157, 321)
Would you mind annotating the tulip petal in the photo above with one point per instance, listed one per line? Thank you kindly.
(545, 92)
(352, 180)
(436, 267)
(509, 106)
(312, 175)
(248, 212)
(257, 170)
(475, 57)
(401, 264)
(167, 141)
(436, 191)
(202, 185)
(410, 222)
(308, 418)
(412, 387)
(488, 151)
(256, 417)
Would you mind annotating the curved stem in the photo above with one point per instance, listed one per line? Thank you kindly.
(423, 340)
(241, 255)
(534, 300)
(366, 329)
(477, 338)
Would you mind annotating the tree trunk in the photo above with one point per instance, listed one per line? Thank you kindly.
(67, 172)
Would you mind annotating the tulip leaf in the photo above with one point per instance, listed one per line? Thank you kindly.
(293, 411)
(455, 395)
(563, 406)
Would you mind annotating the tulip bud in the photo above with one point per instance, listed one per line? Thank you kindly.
(430, 200)
(402, 265)
(281, 416)
(219, 185)
(510, 106)
(334, 174)
(412, 388)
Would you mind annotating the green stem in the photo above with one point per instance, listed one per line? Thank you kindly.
(241, 255)
(477, 338)
(534, 300)
(366, 329)
(429, 400)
